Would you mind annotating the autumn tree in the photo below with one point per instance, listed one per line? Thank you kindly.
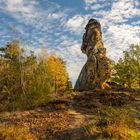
(11, 67)
(28, 80)
(58, 73)
(127, 69)
(24, 78)
(40, 85)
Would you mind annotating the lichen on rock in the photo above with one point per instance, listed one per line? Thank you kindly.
(97, 69)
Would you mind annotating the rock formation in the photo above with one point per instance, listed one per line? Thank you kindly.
(97, 69)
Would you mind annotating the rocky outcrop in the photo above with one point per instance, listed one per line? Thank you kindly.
(97, 69)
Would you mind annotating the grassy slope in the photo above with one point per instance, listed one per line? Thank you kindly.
(85, 115)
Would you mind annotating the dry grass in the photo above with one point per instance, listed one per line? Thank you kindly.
(112, 124)
(104, 115)
(15, 133)
(122, 132)
(91, 129)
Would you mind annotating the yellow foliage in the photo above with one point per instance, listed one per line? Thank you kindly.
(13, 49)
(105, 86)
(58, 72)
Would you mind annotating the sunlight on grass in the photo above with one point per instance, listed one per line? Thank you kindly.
(115, 124)
(15, 133)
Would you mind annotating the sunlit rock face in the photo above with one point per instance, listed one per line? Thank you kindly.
(97, 69)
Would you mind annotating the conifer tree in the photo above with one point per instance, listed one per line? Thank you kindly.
(127, 70)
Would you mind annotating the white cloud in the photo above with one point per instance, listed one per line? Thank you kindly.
(120, 33)
(55, 15)
(74, 59)
(96, 4)
(123, 9)
(120, 37)
(76, 23)
(94, 1)
(19, 6)
(22, 10)
(14, 2)
(90, 1)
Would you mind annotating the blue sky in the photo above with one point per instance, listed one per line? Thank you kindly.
(58, 26)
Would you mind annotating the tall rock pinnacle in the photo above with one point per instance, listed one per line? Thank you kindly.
(97, 69)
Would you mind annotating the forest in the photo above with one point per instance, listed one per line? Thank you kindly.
(27, 81)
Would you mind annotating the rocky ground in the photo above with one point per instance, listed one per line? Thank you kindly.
(81, 116)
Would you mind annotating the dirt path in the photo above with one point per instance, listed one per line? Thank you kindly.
(75, 130)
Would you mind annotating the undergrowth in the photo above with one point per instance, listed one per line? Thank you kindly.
(15, 133)
(112, 124)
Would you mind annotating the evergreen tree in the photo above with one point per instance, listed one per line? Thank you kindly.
(127, 70)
